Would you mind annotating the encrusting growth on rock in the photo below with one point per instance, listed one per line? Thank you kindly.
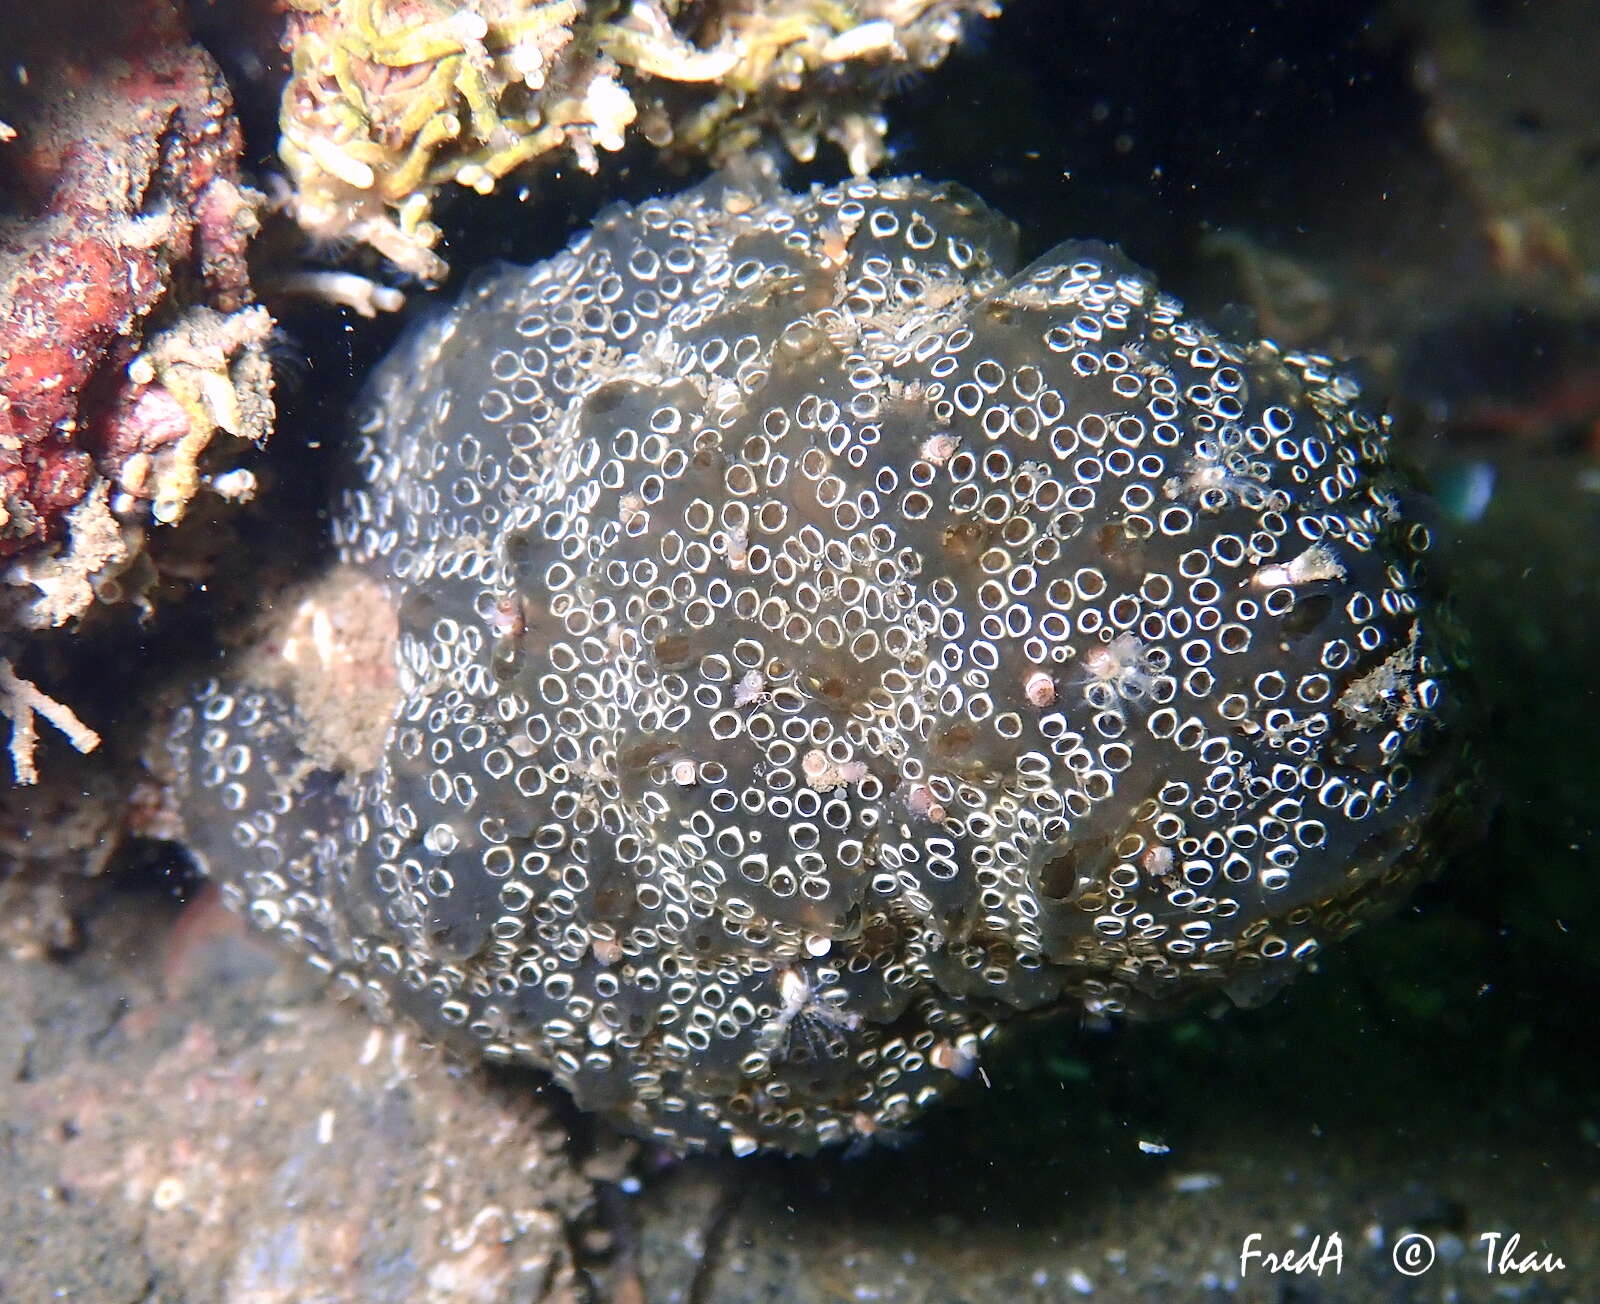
(817, 642)
(388, 103)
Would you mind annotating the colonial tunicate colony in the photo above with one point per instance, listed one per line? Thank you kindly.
(794, 643)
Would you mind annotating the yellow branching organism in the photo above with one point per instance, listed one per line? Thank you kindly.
(20, 702)
(389, 101)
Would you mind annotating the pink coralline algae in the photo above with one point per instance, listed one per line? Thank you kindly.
(127, 335)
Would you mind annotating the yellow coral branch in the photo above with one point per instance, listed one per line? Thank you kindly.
(390, 100)
(660, 56)
(20, 701)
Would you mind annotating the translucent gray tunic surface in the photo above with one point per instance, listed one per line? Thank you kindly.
(818, 642)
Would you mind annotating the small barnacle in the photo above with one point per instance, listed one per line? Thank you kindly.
(808, 1021)
(506, 619)
(959, 1057)
(834, 245)
(822, 773)
(1214, 481)
(1039, 688)
(938, 449)
(631, 511)
(1157, 861)
(1117, 673)
(920, 802)
(751, 689)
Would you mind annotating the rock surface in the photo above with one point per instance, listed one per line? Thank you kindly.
(215, 1128)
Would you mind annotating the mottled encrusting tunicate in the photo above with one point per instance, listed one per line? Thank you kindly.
(776, 642)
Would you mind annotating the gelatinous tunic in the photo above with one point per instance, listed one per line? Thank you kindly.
(818, 642)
